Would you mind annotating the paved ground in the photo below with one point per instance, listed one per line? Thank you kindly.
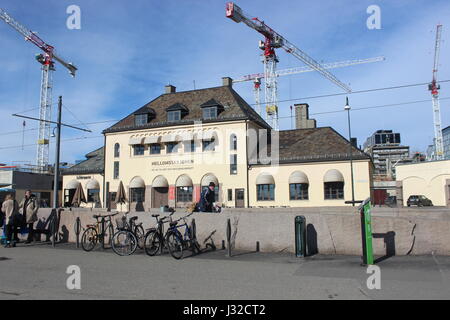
(39, 272)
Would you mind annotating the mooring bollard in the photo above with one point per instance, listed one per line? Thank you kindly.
(78, 230)
(229, 238)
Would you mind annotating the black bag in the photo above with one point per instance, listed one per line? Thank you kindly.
(16, 218)
(2, 219)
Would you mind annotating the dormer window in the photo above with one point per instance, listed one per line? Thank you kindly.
(209, 113)
(176, 112)
(143, 116)
(211, 109)
(174, 115)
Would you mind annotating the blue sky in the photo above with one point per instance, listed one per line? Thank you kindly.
(126, 51)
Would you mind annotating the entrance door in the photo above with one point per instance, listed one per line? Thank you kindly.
(239, 198)
(160, 197)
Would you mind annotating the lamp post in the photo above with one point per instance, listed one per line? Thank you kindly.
(347, 107)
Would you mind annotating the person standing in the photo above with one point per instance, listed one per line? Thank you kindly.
(28, 207)
(12, 220)
(207, 198)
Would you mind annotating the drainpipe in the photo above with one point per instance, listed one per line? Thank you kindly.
(105, 196)
(246, 164)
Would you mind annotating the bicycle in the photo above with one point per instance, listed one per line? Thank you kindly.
(101, 231)
(128, 237)
(176, 242)
(154, 241)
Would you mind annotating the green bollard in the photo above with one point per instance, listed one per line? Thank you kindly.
(300, 236)
(366, 232)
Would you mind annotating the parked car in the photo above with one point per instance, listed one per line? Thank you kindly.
(418, 200)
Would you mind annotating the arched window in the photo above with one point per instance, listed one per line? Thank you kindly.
(233, 142)
(184, 188)
(265, 187)
(116, 150)
(298, 186)
(137, 190)
(333, 185)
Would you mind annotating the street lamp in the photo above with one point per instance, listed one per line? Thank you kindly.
(347, 108)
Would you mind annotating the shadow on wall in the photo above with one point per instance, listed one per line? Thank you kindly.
(389, 243)
(64, 235)
(311, 240)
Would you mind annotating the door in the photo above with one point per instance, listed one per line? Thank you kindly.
(239, 198)
(160, 197)
(68, 197)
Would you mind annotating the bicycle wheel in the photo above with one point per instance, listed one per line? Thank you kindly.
(124, 243)
(89, 239)
(175, 244)
(108, 235)
(140, 236)
(152, 242)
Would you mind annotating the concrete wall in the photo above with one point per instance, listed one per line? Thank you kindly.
(330, 230)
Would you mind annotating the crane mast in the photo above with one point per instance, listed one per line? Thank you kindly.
(434, 89)
(45, 110)
(272, 41)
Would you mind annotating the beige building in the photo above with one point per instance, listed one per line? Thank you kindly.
(430, 178)
(165, 152)
(90, 175)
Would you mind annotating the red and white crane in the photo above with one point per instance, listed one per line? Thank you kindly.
(434, 88)
(47, 61)
(257, 77)
(272, 41)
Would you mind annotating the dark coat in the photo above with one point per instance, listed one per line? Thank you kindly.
(207, 198)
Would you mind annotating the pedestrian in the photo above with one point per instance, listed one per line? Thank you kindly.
(28, 207)
(12, 220)
(207, 198)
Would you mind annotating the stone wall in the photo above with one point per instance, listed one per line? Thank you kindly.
(396, 231)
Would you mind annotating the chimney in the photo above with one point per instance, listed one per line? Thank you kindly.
(170, 89)
(227, 81)
(302, 120)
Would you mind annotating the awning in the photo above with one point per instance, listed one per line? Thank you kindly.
(135, 140)
(298, 177)
(186, 136)
(92, 184)
(169, 138)
(160, 182)
(333, 175)
(208, 135)
(151, 139)
(137, 182)
(265, 178)
(209, 178)
(184, 181)
(72, 184)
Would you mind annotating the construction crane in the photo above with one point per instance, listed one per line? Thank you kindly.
(272, 41)
(257, 77)
(46, 59)
(434, 88)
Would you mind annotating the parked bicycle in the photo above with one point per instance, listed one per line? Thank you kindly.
(129, 236)
(177, 243)
(154, 240)
(102, 231)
